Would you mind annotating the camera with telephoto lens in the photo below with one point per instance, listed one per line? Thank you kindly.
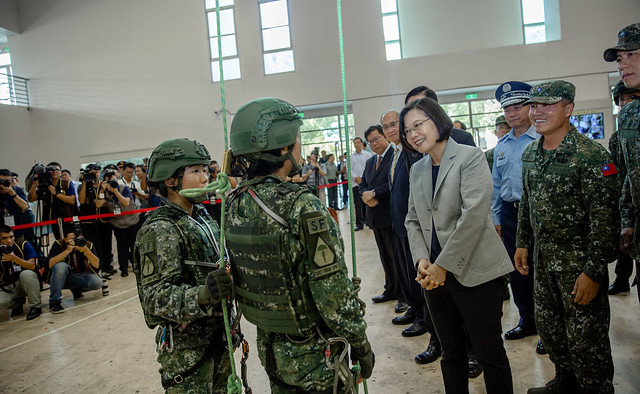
(88, 176)
(113, 184)
(6, 249)
(5, 182)
(81, 242)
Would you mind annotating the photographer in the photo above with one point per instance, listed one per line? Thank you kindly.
(58, 197)
(74, 265)
(137, 192)
(13, 203)
(93, 202)
(119, 200)
(18, 278)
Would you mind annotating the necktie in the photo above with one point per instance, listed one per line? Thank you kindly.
(378, 162)
(396, 154)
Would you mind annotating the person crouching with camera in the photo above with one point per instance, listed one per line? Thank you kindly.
(74, 265)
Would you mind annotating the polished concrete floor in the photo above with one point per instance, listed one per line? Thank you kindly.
(102, 345)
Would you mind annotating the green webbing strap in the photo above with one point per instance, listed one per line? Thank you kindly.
(356, 370)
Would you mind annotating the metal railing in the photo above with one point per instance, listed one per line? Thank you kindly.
(14, 90)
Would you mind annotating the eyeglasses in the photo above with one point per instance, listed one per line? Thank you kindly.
(375, 140)
(408, 131)
(390, 125)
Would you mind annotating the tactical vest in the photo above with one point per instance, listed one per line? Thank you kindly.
(192, 275)
(271, 293)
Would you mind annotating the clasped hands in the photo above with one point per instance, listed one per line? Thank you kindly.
(430, 275)
(369, 198)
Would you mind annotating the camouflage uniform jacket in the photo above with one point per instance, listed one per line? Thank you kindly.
(569, 206)
(629, 137)
(167, 286)
(331, 290)
(489, 155)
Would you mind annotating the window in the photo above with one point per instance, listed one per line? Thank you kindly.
(230, 59)
(323, 133)
(276, 37)
(479, 116)
(391, 29)
(533, 21)
(5, 77)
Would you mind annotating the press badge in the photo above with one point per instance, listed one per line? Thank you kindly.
(9, 220)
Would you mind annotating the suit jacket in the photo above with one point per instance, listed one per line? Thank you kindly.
(378, 180)
(460, 210)
(462, 137)
(399, 188)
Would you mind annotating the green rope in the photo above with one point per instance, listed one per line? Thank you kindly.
(220, 185)
(356, 369)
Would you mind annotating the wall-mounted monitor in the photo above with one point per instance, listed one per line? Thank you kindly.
(592, 125)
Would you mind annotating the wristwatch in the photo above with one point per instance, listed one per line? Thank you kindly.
(374, 192)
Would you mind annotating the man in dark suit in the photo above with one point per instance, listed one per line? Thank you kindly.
(418, 314)
(459, 136)
(374, 189)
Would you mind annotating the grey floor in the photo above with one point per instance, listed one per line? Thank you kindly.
(102, 345)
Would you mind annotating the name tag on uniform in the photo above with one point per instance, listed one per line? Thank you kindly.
(317, 225)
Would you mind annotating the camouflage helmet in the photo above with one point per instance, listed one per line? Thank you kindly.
(621, 89)
(172, 155)
(262, 125)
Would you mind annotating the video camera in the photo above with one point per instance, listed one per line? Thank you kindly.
(6, 249)
(88, 176)
(42, 174)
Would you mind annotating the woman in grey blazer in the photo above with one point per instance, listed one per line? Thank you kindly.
(458, 254)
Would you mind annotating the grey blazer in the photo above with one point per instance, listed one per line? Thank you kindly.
(461, 211)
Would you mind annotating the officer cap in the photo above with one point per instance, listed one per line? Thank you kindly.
(628, 40)
(262, 125)
(91, 167)
(172, 155)
(551, 92)
(501, 119)
(512, 92)
(110, 167)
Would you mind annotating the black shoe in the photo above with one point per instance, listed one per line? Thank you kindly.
(475, 368)
(17, 311)
(617, 288)
(402, 320)
(518, 333)
(414, 330)
(540, 348)
(564, 382)
(430, 355)
(357, 228)
(56, 308)
(402, 307)
(33, 313)
(382, 298)
(124, 273)
(77, 295)
(110, 271)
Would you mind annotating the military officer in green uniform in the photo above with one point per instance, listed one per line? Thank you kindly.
(179, 283)
(569, 204)
(287, 258)
(502, 129)
(627, 57)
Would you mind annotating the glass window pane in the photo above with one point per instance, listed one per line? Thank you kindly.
(5, 59)
(388, 6)
(212, 3)
(229, 47)
(231, 68)
(534, 34)
(455, 109)
(276, 38)
(274, 14)
(278, 62)
(485, 106)
(390, 26)
(227, 25)
(393, 50)
(464, 119)
(532, 11)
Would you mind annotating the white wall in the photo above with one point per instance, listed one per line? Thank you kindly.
(114, 78)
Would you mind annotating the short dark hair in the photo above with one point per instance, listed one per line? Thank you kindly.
(54, 163)
(129, 165)
(5, 229)
(419, 90)
(142, 167)
(371, 129)
(67, 171)
(5, 172)
(329, 155)
(462, 125)
(433, 110)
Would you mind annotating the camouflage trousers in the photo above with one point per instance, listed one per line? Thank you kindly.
(576, 336)
(211, 377)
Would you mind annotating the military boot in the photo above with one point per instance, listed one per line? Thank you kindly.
(565, 382)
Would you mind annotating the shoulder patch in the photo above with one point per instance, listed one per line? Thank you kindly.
(148, 258)
(319, 245)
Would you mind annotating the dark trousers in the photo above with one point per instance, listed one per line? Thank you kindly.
(521, 285)
(384, 240)
(126, 239)
(104, 239)
(624, 268)
(455, 307)
(411, 289)
(332, 193)
(358, 206)
(345, 193)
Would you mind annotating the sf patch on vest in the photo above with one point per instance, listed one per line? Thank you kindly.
(319, 245)
(148, 259)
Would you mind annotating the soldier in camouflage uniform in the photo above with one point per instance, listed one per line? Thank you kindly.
(569, 205)
(627, 56)
(179, 284)
(502, 129)
(287, 257)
